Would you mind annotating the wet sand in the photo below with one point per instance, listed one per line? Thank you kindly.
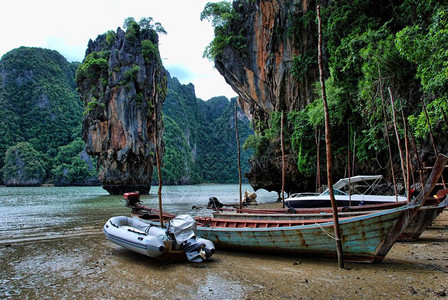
(90, 267)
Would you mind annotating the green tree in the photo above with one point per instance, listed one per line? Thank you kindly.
(70, 169)
(221, 14)
(426, 47)
(24, 165)
(37, 85)
(144, 24)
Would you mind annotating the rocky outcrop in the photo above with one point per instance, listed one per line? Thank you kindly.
(275, 71)
(123, 85)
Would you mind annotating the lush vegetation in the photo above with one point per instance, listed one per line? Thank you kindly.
(24, 164)
(40, 111)
(71, 165)
(221, 15)
(41, 133)
(370, 48)
(386, 49)
(201, 134)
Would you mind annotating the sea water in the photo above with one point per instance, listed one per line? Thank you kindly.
(39, 213)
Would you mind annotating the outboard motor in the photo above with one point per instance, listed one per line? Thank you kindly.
(209, 246)
(194, 250)
(132, 199)
(214, 203)
(183, 229)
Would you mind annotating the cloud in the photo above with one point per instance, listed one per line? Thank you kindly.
(72, 52)
(67, 26)
(182, 73)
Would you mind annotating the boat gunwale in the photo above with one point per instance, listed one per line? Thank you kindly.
(299, 227)
(330, 223)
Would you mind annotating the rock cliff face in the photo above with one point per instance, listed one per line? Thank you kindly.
(123, 85)
(276, 71)
(264, 74)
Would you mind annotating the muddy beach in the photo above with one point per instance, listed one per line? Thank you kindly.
(87, 266)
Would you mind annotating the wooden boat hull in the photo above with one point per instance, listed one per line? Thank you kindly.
(309, 202)
(284, 216)
(366, 238)
(424, 217)
(361, 236)
(312, 210)
(422, 220)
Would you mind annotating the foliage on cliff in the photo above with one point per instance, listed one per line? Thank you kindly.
(200, 139)
(122, 83)
(24, 166)
(39, 105)
(221, 15)
(370, 47)
(199, 136)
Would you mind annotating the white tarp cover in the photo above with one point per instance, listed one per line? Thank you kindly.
(183, 227)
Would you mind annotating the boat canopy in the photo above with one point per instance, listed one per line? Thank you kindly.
(345, 181)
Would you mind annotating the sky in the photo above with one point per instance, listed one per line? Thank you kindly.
(66, 26)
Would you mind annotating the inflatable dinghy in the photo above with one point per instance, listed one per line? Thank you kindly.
(178, 240)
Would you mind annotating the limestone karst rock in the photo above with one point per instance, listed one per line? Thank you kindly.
(264, 73)
(123, 85)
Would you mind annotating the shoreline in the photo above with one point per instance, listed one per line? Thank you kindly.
(77, 266)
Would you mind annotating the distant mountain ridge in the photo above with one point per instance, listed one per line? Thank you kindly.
(39, 105)
(209, 132)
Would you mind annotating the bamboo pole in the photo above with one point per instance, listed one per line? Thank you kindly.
(354, 153)
(328, 147)
(417, 159)
(283, 162)
(397, 135)
(239, 155)
(348, 166)
(317, 137)
(430, 128)
(386, 125)
(446, 123)
(444, 116)
(432, 136)
(159, 171)
(408, 163)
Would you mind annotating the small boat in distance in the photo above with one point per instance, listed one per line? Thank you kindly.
(306, 200)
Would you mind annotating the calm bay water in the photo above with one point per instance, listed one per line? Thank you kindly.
(52, 247)
(39, 213)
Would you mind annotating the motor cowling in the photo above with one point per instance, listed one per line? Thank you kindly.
(132, 198)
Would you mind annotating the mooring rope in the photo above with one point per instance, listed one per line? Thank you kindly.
(326, 232)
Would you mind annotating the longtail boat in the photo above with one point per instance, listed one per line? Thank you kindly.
(423, 219)
(362, 235)
(366, 238)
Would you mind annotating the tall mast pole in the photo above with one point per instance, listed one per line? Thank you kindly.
(239, 155)
(283, 162)
(328, 146)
